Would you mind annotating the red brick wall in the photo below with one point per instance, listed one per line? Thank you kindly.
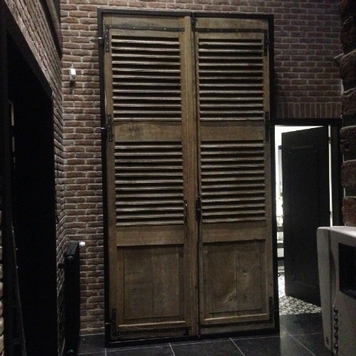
(83, 184)
(307, 77)
(307, 86)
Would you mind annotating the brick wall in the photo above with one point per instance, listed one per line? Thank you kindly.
(307, 86)
(307, 78)
(83, 184)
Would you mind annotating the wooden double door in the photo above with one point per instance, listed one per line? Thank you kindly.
(188, 174)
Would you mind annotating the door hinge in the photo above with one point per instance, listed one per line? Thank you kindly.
(113, 324)
(185, 211)
(271, 310)
(267, 125)
(108, 127)
(106, 38)
(198, 208)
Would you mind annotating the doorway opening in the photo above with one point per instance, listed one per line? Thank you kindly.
(27, 129)
(306, 194)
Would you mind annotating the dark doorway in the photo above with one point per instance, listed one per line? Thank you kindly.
(31, 161)
(305, 166)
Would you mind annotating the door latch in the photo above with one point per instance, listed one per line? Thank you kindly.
(198, 208)
(109, 127)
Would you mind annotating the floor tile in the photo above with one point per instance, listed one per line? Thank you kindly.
(153, 350)
(271, 346)
(315, 343)
(92, 345)
(300, 324)
(207, 348)
(295, 331)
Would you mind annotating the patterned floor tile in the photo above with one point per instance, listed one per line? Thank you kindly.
(290, 305)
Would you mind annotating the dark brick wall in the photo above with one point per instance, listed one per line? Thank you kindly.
(347, 11)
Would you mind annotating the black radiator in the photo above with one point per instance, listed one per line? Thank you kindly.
(72, 299)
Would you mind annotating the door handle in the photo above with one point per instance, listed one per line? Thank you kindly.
(185, 211)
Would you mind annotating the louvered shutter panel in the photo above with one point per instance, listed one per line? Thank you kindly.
(147, 100)
(232, 66)
(188, 174)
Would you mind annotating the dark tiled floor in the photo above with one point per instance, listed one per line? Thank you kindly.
(300, 335)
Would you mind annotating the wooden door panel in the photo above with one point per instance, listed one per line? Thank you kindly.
(229, 131)
(155, 235)
(235, 289)
(149, 132)
(235, 240)
(152, 284)
(148, 190)
(230, 232)
(152, 293)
